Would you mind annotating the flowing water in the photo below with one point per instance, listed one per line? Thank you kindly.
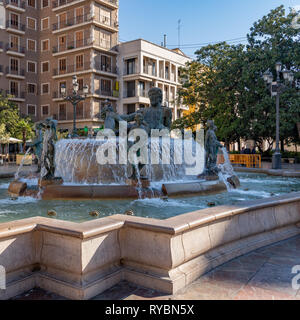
(226, 170)
(253, 186)
(17, 175)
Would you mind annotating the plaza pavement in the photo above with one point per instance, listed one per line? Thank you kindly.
(265, 274)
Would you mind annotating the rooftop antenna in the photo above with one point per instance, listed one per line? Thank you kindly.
(179, 31)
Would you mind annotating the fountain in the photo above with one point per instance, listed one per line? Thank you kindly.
(71, 169)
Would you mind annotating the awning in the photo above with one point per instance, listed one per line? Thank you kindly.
(10, 141)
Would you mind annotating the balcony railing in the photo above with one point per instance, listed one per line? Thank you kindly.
(15, 25)
(149, 70)
(70, 45)
(71, 22)
(19, 4)
(18, 72)
(15, 48)
(105, 68)
(129, 94)
(129, 70)
(106, 21)
(107, 93)
(15, 94)
(72, 68)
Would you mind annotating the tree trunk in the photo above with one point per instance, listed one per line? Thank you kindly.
(282, 145)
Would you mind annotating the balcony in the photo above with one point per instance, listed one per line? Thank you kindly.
(129, 70)
(113, 4)
(106, 68)
(15, 5)
(72, 69)
(106, 93)
(15, 49)
(14, 26)
(15, 95)
(71, 22)
(18, 74)
(107, 22)
(72, 45)
(149, 70)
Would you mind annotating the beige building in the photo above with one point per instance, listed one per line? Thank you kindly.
(143, 65)
(44, 43)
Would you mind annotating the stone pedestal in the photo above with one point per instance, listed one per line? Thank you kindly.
(145, 183)
(211, 178)
(17, 188)
(50, 182)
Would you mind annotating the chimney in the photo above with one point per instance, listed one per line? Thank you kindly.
(165, 40)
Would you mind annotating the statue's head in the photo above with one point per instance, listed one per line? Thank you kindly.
(211, 125)
(155, 96)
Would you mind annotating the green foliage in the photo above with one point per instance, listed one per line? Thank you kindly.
(15, 125)
(225, 84)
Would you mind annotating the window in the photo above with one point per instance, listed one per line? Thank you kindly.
(31, 66)
(62, 40)
(79, 39)
(79, 61)
(45, 3)
(14, 65)
(14, 88)
(62, 111)
(63, 65)
(79, 110)
(31, 23)
(102, 39)
(31, 3)
(105, 87)
(80, 84)
(31, 45)
(45, 66)
(45, 110)
(45, 23)
(31, 88)
(62, 20)
(45, 45)
(14, 43)
(79, 15)
(14, 20)
(45, 88)
(130, 66)
(31, 110)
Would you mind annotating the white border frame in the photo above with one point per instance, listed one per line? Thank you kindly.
(42, 114)
(27, 92)
(49, 90)
(35, 63)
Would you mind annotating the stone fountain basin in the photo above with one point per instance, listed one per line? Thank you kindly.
(116, 192)
(79, 261)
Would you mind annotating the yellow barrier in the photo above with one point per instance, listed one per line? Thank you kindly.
(248, 160)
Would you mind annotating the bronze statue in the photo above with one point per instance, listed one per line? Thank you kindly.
(37, 144)
(48, 155)
(212, 146)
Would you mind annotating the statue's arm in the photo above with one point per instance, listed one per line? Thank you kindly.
(129, 117)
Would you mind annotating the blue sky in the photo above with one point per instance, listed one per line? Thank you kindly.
(202, 20)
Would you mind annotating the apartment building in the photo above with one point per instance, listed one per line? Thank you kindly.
(45, 42)
(144, 65)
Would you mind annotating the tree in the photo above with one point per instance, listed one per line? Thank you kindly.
(15, 125)
(4, 136)
(225, 84)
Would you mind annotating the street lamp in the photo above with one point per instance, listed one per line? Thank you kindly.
(75, 98)
(276, 89)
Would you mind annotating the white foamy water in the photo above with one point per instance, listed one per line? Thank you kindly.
(20, 200)
(259, 194)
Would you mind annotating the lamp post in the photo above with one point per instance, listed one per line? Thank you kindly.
(75, 98)
(276, 89)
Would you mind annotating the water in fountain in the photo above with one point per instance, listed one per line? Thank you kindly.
(17, 175)
(226, 170)
(47, 136)
(76, 162)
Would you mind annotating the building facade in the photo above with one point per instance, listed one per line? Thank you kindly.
(44, 43)
(143, 65)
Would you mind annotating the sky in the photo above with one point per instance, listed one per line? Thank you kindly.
(202, 21)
